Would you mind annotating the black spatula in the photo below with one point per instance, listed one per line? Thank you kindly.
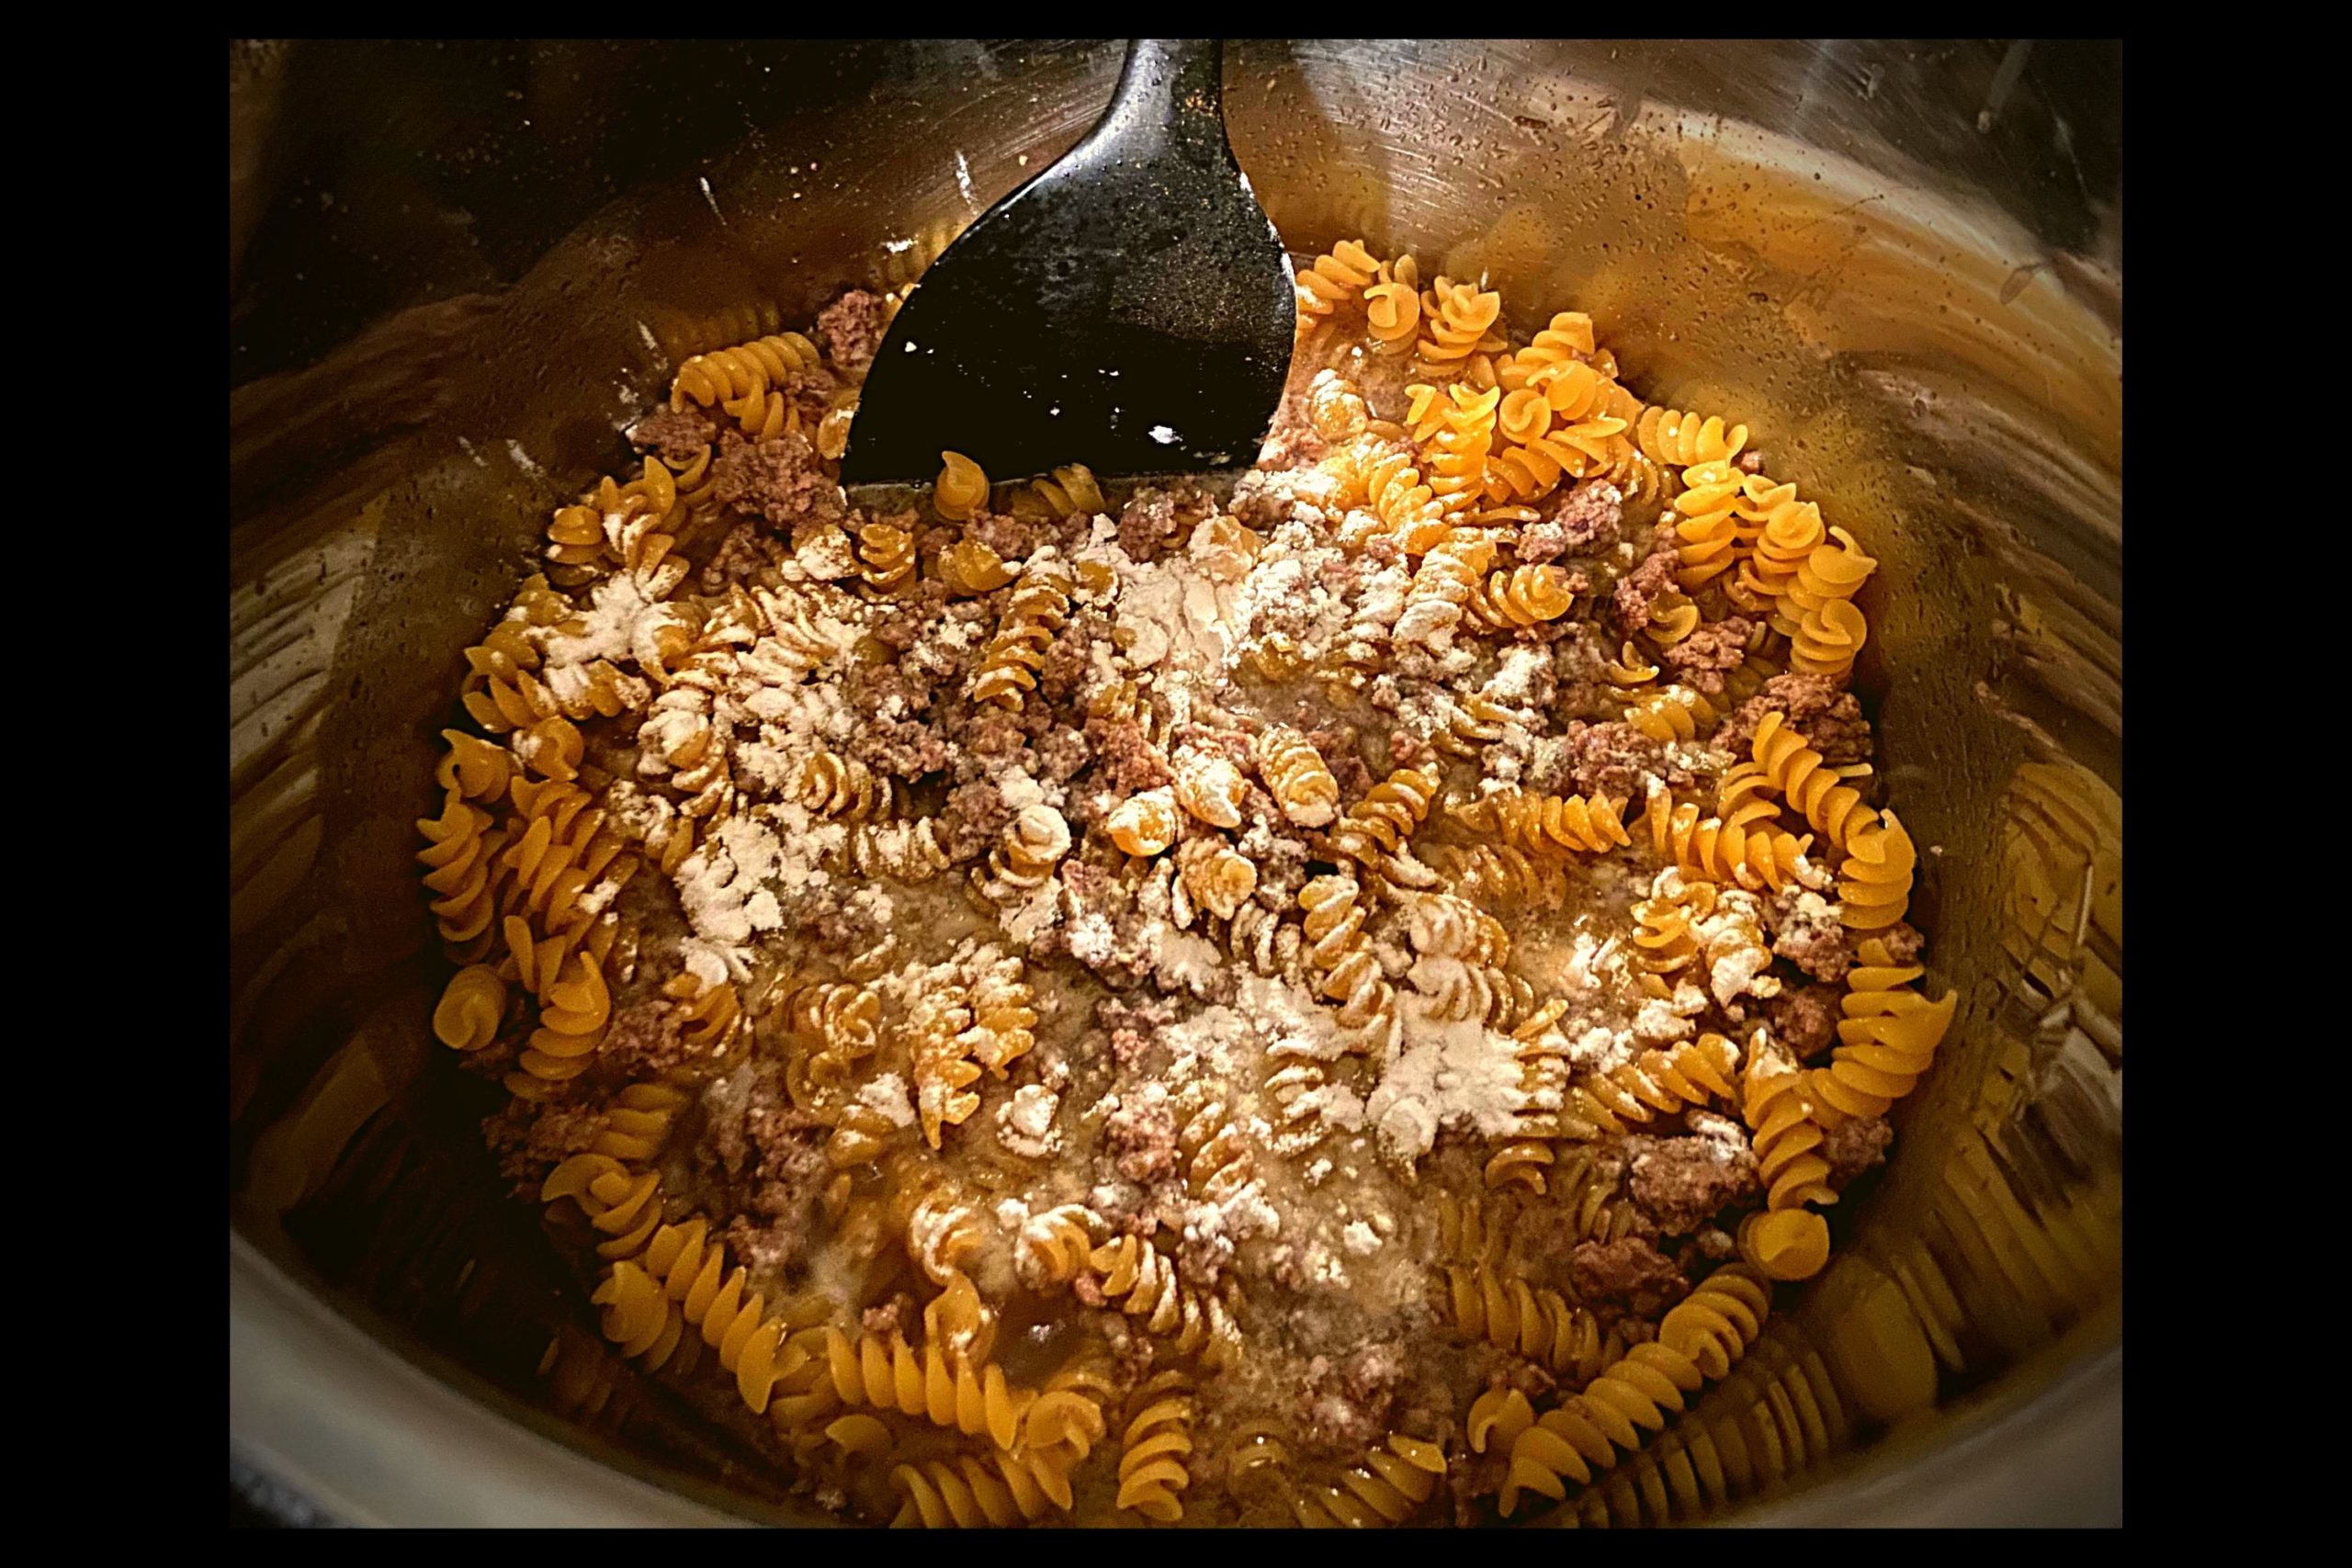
(1129, 308)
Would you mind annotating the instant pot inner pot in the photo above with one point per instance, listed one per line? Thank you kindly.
(456, 270)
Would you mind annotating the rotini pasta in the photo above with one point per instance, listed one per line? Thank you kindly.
(1295, 775)
(974, 1234)
(1152, 1471)
(962, 488)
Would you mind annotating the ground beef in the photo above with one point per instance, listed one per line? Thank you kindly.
(1067, 660)
(1129, 764)
(791, 1149)
(1903, 943)
(1683, 1182)
(917, 615)
(1808, 933)
(1127, 1046)
(1630, 1273)
(642, 1041)
(893, 737)
(974, 819)
(883, 1320)
(1804, 1019)
(1830, 720)
(1612, 759)
(1147, 522)
(1342, 1405)
(680, 436)
(1370, 1377)
(532, 1137)
(1701, 659)
(993, 733)
(1852, 1147)
(1338, 747)
(778, 480)
(850, 329)
(1582, 520)
(748, 553)
(1141, 1138)
(1639, 588)
(1061, 753)
(1292, 442)
(1341, 576)
(1008, 535)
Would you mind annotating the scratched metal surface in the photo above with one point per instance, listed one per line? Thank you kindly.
(457, 269)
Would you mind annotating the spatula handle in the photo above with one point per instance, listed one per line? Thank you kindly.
(1175, 83)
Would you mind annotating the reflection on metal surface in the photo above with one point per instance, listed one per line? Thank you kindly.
(1919, 317)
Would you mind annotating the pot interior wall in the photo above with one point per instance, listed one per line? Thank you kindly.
(458, 271)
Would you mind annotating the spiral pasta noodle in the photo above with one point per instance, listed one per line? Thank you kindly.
(1670, 714)
(1394, 1480)
(943, 1070)
(461, 857)
(1335, 409)
(682, 1264)
(1380, 476)
(1039, 609)
(1295, 774)
(1662, 939)
(471, 1007)
(571, 1025)
(1700, 1338)
(904, 851)
(1526, 596)
(1658, 1082)
(1541, 1325)
(961, 488)
(1547, 824)
(1332, 280)
(1815, 612)
(1465, 429)
(1377, 830)
(930, 1385)
(1810, 786)
(1562, 350)
(1874, 884)
(886, 557)
(1669, 436)
(1142, 1280)
(1707, 522)
(1783, 533)
(1723, 851)
(970, 567)
(1055, 1245)
(1152, 1470)
(739, 380)
(1887, 1038)
(1070, 490)
(999, 1492)
(1033, 842)
(1502, 876)
(1392, 305)
(1776, 1103)
(1456, 319)
(832, 1027)
(1144, 824)
(1471, 723)
(830, 785)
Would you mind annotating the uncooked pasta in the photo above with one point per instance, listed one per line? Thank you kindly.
(1342, 998)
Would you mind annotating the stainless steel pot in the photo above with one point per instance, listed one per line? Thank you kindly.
(456, 270)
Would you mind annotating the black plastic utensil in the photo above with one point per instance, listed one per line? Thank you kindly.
(1130, 309)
